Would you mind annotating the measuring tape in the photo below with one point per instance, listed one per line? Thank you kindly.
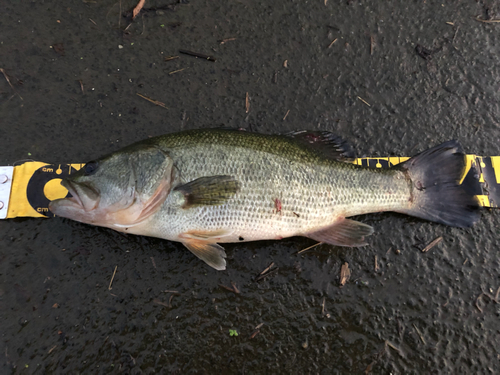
(27, 189)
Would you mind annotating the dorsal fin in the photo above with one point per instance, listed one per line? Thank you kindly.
(327, 144)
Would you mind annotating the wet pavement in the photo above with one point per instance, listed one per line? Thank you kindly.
(76, 70)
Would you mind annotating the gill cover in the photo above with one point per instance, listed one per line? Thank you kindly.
(151, 176)
(120, 190)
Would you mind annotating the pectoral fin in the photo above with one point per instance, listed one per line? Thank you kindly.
(344, 232)
(211, 190)
(211, 253)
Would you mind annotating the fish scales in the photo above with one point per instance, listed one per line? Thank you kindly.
(313, 190)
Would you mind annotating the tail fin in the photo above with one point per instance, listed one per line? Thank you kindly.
(435, 193)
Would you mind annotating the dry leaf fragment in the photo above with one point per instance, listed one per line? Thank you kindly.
(345, 274)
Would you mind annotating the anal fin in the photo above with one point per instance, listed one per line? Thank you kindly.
(344, 232)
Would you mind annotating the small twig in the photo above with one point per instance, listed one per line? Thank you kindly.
(230, 289)
(52, 349)
(309, 248)
(270, 273)
(81, 86)
(161, 303)
(138, 8)
(487, 21)
(477, 302)
(493, 298)
(236, 290)
(10, 84)
(364, 101)
(376, 264)
(227, 40)
(247, 103)
(332, 43)
(267, 272)
(389, 344)
(420, 334)
(112, 278)
(153, 261)
(257, 331)
(196, 54)
(171, 291)
(177, 71)
(286, 114)
(267, 269)
(432, 244)
(170, 58)
(155, 102)
(91, 20)
(455, 35)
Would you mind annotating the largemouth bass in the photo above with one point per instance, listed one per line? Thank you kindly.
(205, 187)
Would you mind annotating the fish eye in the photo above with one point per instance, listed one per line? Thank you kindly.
(90, 168)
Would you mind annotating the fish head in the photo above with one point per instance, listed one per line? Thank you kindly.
(118, 191)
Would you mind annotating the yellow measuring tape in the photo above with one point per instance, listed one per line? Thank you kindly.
(34, 185)
(27, 189)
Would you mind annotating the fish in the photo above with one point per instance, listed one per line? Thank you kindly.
(210, 186)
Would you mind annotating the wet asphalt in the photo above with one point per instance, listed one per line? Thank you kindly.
(392, 79)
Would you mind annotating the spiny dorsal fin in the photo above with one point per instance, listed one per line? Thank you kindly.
(327, 144)
(207, 191)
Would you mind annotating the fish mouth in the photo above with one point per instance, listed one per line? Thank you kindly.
(74, 199)
(78, 203)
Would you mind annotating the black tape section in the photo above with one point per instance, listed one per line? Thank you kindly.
(37, 182)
